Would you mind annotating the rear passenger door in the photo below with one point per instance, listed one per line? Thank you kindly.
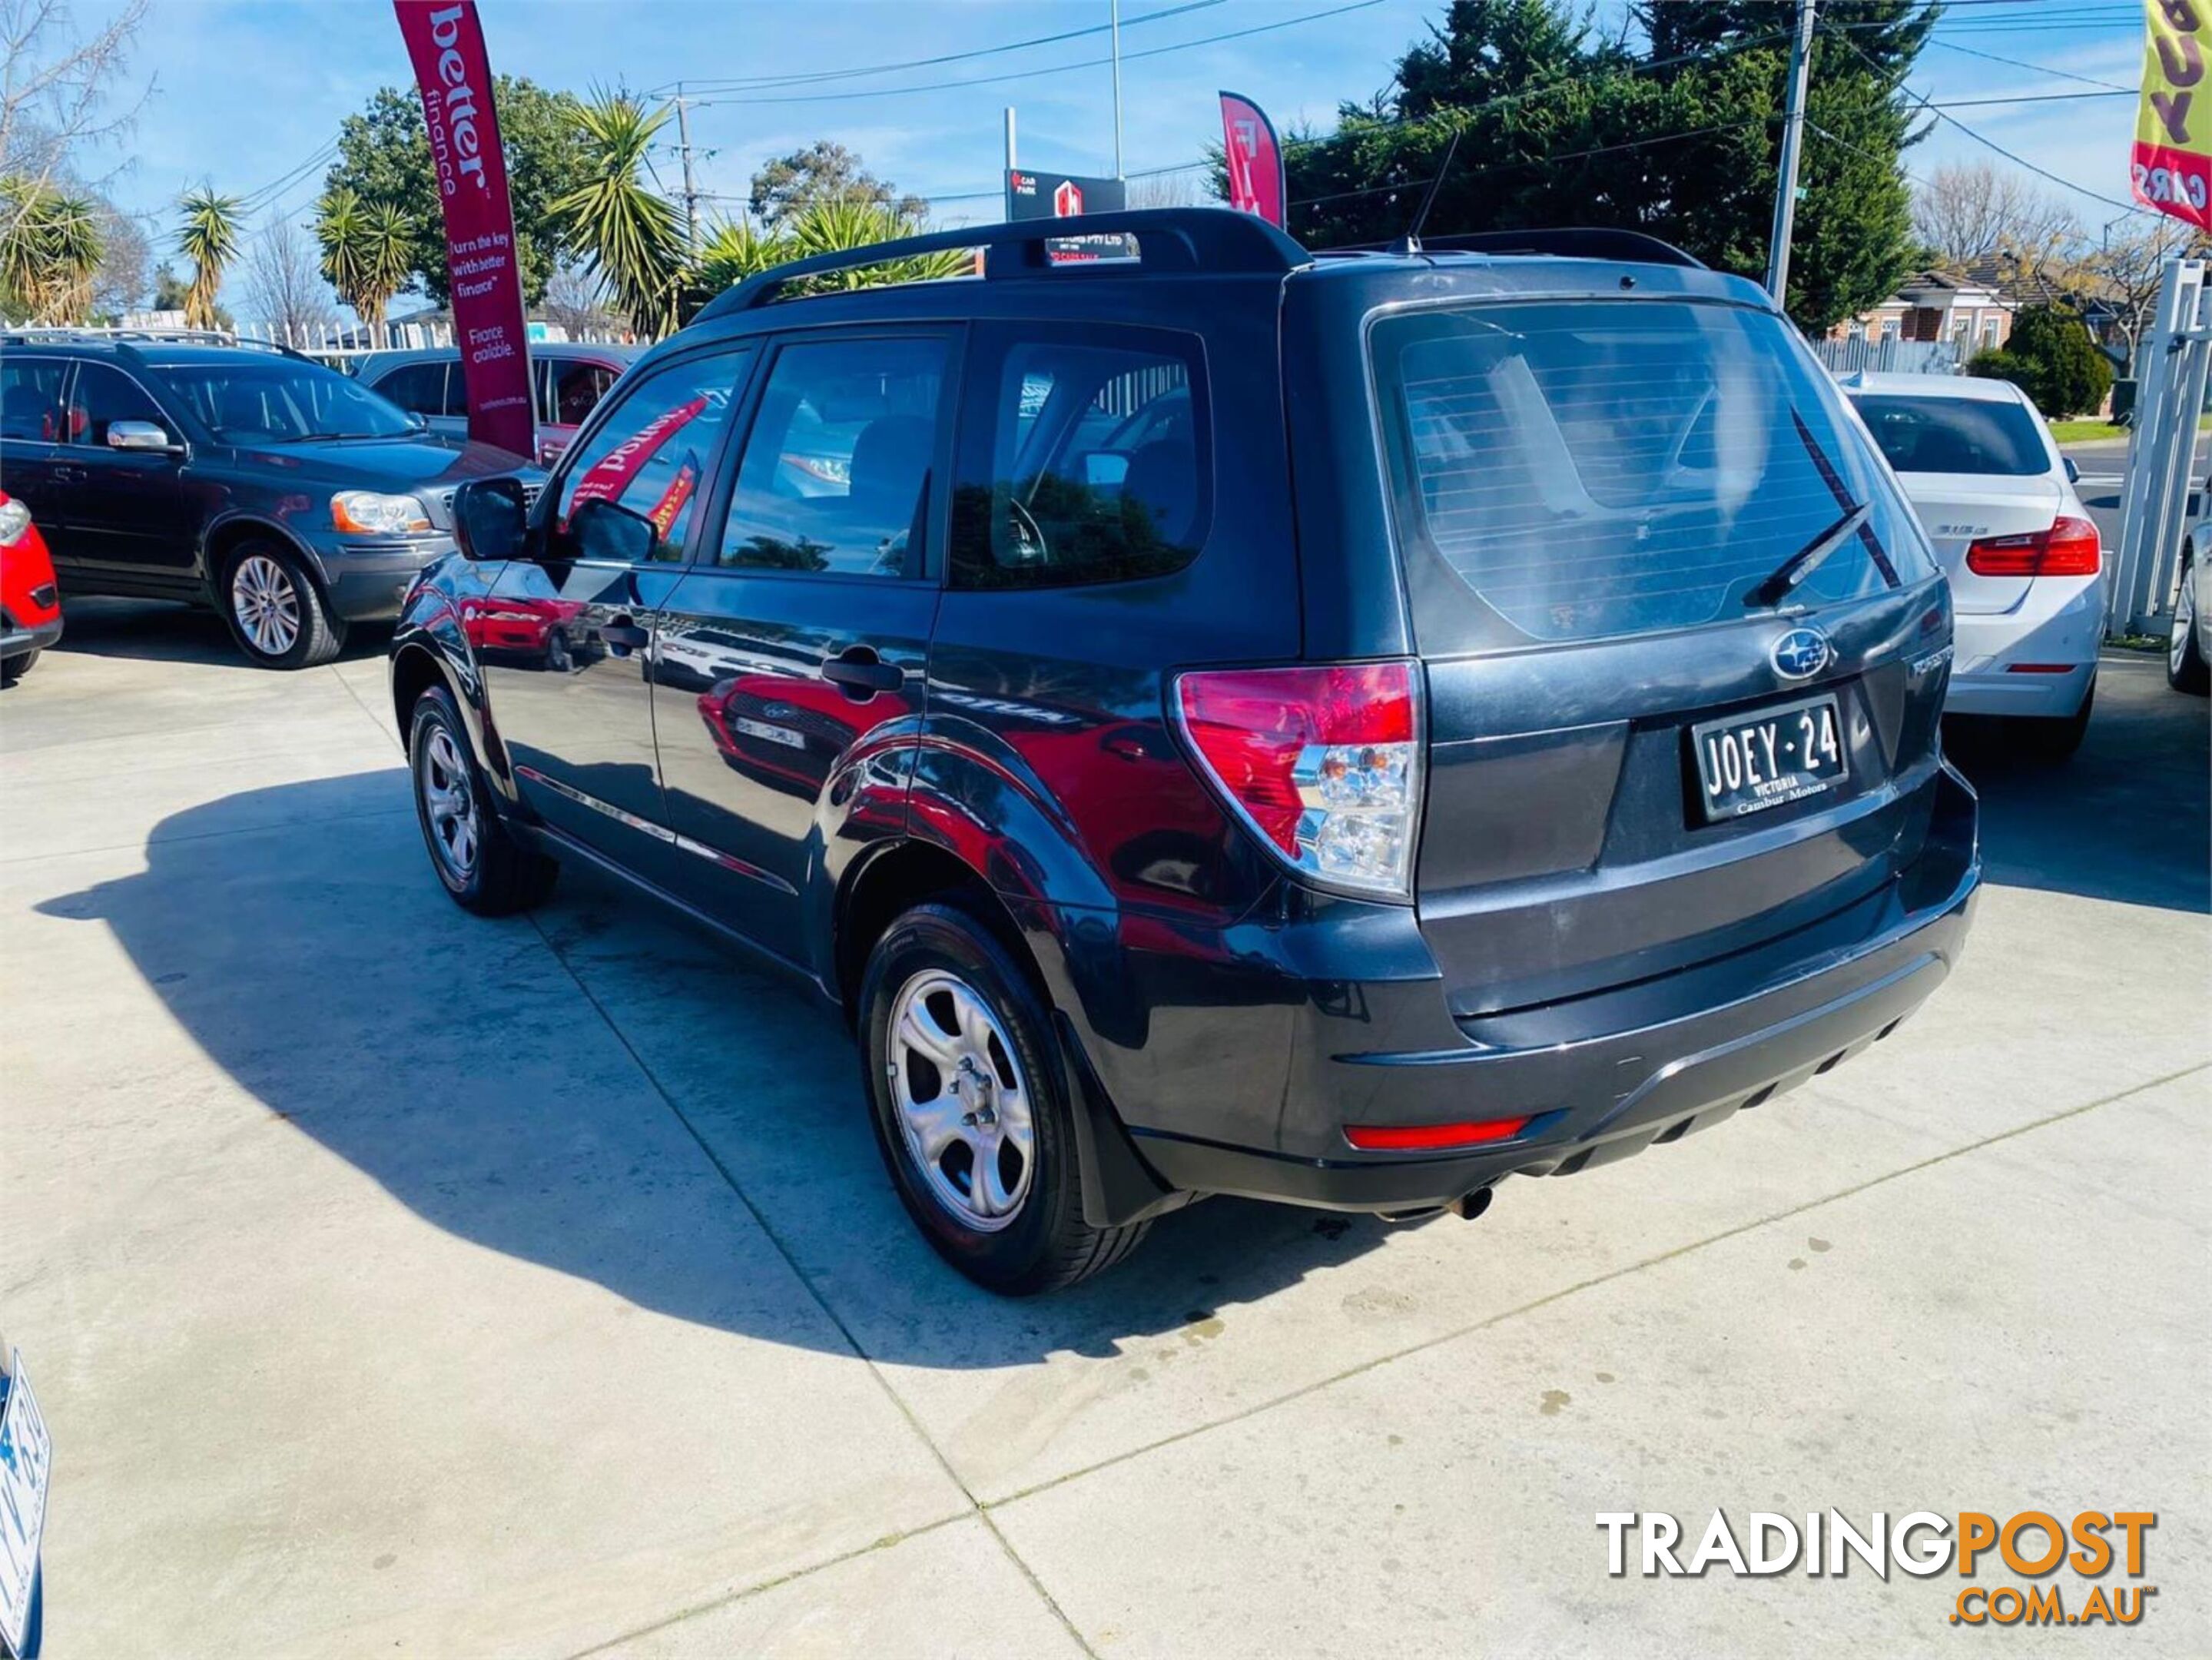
(791, 673)
(33, 427)
(420, 389)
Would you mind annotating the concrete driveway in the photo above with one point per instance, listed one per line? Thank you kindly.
(399, 1283)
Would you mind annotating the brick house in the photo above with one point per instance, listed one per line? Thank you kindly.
(1970, 309)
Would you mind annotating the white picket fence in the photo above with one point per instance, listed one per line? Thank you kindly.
(1891, 356)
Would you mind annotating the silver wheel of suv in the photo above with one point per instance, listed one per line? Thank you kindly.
(266, 604)
(449, 804)
(962, 1101)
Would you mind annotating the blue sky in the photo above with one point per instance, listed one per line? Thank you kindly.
(247, 90)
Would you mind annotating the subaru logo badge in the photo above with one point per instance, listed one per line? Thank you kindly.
(1800, 654)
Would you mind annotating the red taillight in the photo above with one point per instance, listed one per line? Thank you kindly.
(1323, 762)
(2069, 548)
(1428, 1138)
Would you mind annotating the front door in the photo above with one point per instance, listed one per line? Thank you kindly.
(123, 510)
(34, 424)
(566, 637)
(792, 666)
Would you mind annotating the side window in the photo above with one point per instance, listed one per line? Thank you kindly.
(1081, 463)
(418, 388)
(31, 397)
(836, 471)
(576, 390)
(103, 396)
(649, 458)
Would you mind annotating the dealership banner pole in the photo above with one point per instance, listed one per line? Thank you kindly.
(447, 46)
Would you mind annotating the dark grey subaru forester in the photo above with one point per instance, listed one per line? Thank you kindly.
(1339, 728)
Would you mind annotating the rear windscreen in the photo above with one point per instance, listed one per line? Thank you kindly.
(1955, 435)
(1584, 470)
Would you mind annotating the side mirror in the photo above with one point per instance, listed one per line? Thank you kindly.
(491, 518)
(607, 532)
(2073, 472)
(139, 435)
(418, 421)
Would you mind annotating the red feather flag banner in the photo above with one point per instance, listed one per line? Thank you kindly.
(446, 43)
(2171, 166)
(1254, 159)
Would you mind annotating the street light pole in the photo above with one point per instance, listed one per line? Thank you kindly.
(1793, 138)
(1116, 14)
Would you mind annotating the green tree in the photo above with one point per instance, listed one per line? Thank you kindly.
(823, 172)
(209, 238)
(367, 253)
(1561, 125)
(51, 247)
(383, 155)
(2050, 357)
(629, 234)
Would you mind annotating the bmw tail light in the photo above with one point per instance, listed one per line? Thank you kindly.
(2069, 548)
(1323, 762)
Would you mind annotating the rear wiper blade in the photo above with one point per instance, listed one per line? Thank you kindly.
(1809, 558)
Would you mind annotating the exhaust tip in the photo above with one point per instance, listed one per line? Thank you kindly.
(1468, 1206)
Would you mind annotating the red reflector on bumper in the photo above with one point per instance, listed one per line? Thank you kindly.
(1425, 1138)
(2039, 668)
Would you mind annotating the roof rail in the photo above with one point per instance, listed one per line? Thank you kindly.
(1213, 241)
(1571, 243)
(37, 333)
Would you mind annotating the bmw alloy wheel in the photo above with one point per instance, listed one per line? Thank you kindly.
(266, 602)
(964, 1105)
(448, 803)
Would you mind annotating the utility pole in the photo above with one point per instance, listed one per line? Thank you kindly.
(1116, 5)
(690, 185)
(1793, 139)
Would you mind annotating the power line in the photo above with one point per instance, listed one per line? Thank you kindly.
(1991, 144)
(2022, 63)
(734, 83)
(1054, 69)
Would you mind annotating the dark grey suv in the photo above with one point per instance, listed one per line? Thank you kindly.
(1335, 727)
(278, 491)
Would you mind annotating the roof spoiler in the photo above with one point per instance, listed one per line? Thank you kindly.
(1211, 241)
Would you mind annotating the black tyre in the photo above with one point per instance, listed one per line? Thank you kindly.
(479, 860)
(971, 1107)
(13, 669)
(275, 612)
(2185, 668)
(2053, 741)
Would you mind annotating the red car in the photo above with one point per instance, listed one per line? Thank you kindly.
(30, 606)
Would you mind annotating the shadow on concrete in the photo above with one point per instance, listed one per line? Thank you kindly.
(166, 631)
(520, 1098)
(2129, 818)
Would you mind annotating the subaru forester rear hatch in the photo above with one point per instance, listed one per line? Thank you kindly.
(1682, 641)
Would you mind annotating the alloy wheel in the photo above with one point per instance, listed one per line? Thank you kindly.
(963, 1106)
(266, 602)
(2185, 622)
(448, 803)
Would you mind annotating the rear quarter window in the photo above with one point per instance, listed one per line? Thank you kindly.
(1955, 435)
(1084, 458)
(1586, 470)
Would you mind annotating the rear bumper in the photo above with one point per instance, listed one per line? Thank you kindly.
(1608, 1075)
(2059, 621)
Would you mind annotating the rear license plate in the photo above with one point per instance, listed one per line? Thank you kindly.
(1750, 761)
(26, 1454)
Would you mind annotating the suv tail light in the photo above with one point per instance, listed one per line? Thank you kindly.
(1324, 762)
(2069, 548)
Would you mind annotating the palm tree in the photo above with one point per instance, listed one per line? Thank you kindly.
(367, 254)
(630, 236)
(50, 252)
(733, 249)
(209, 238)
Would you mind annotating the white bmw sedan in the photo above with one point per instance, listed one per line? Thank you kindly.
(1997, 502)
